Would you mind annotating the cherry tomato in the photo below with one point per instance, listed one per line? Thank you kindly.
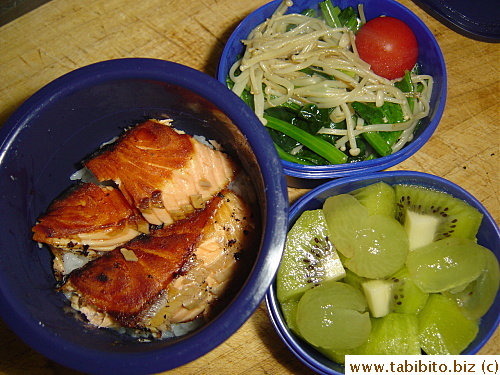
(388, 45)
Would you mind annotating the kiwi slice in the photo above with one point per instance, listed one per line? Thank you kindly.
(289, 311)
(309, 257)
(378, 198)
(407, 297)
(430, 215)
(393, 334)
(443, 328)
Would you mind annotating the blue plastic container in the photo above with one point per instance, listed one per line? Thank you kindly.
(42, 144)
(488, 236)
(430, 59)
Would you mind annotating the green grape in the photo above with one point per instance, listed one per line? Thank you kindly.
(446, 264)
(373, 246)
(344, 216)
(477, 298)
(333, 316)
(381, 248)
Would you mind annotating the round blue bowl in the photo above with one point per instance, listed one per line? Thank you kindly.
(488, 236)
(430, 59)
(42, 144)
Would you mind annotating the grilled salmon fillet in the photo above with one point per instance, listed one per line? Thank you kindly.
(133, 285)
(218, 266)
(89, 217)
(84, 221)
(165, 173)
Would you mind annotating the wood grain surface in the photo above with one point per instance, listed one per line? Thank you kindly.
(63, 35)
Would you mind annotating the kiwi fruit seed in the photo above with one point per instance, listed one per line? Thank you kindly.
(407, 297)
(430, 215)
(309, 257)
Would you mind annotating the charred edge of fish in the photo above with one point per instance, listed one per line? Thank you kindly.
(60, 283)
(156, 199)
(186, 266)
(140, 319)
(64, 195)
(153, 227)
(145, 205)
(85, 250)
(107, 146)
(102, 277)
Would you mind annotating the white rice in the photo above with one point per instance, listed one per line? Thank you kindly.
(177, 330)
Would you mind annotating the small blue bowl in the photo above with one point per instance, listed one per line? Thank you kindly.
(42, 144)
(430, 59)
(488, 236)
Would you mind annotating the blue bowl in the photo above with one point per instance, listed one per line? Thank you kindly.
(488, 236)
(430, 59)
(41, 146)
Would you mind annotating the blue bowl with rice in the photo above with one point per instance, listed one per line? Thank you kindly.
(43, 144)
(430, 62)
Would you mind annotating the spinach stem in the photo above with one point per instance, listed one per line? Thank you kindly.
(289, 157)
(318, 145)
(330, 13)
(378, 143)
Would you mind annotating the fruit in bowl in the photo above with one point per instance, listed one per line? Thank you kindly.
(417, 271)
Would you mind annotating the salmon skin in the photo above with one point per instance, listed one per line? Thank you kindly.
(164, 172)
(89, 217)
(129, 286)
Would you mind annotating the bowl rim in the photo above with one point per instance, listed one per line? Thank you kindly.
(275, 215)
(342, 170)
(294, 343)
